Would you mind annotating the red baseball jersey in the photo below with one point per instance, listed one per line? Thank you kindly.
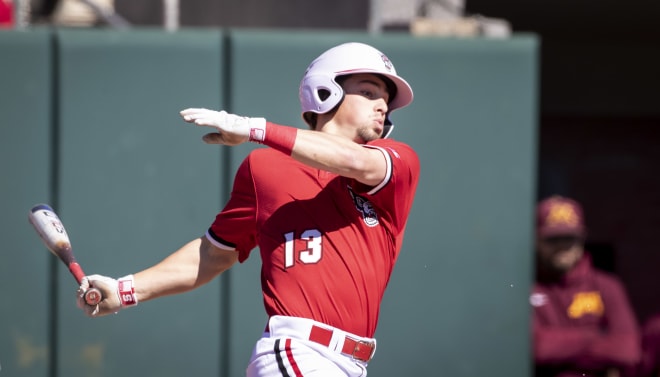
(328, 244)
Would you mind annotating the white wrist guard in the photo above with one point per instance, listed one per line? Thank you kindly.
(257, 128)
(126, 291)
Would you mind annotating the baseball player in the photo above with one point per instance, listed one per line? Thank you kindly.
(327, 208)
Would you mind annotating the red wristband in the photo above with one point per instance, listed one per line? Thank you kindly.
(126, 290)
(281, 138)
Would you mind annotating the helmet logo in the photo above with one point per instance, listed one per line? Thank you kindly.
(388, 63)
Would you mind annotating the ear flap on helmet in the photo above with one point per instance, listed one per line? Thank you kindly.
(320, 93)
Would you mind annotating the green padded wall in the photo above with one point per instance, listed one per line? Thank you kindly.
(136, 184)
(25, 180)
(457, 302)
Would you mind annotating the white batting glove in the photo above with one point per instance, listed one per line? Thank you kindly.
(231, 129)
(117, 294)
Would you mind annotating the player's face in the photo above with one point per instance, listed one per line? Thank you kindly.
(560, 253)
(364, 108)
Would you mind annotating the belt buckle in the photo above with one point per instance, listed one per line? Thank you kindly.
(360, 346)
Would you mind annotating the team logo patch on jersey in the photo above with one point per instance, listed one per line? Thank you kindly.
(586, 303)
(369, 215)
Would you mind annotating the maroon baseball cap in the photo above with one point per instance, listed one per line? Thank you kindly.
(559, 216)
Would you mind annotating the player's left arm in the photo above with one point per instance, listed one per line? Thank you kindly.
(317, 149)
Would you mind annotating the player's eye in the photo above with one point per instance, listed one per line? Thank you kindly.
(367, 93)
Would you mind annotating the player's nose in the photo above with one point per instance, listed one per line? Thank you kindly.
(380, 105)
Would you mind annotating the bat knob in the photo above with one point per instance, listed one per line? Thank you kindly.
(93, 296)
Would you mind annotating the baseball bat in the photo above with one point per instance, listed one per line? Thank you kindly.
(51, 231)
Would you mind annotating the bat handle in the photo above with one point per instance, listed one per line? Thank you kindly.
(76, 271)
(92, 296)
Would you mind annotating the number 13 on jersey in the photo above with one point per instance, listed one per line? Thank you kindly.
(309, 255)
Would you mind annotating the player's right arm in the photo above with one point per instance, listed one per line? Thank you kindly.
(193, 265)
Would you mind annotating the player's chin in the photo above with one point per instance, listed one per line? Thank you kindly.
(368, 134)
(363, 139)
(377, 134)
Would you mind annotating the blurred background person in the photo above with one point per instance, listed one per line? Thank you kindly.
(650, 364)
(583, 323)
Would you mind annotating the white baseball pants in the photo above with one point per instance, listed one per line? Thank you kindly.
(286, 351)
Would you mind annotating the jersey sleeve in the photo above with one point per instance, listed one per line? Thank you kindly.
(397, 190)
(560, 345)
(620, 344)
(234, 227)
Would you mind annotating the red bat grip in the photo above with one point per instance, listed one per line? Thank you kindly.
(76, 271)
(92, 295)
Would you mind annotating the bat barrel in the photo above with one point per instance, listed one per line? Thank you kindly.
(52, 232)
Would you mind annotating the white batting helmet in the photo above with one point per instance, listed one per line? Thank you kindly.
(319, 91)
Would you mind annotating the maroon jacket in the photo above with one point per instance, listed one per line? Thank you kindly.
(650, 365)
(583, 325)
